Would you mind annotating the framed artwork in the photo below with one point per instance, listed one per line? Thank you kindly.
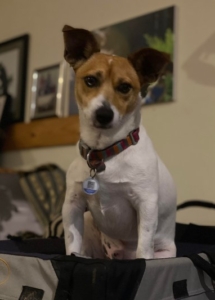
(13, 67)
(71, 107)
(2, 105)
(154, 30)
(48, 92)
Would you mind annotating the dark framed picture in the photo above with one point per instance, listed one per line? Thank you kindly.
(47, 92)
(13, 68)
(71, 107)
(2, 105)
(154, 30)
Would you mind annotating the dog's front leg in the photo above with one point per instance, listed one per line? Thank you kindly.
(73, 218)
(146, 206)
(147, 217)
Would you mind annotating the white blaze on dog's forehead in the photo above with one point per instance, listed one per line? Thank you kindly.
(110, 61)
(93, 105)
(116, 115)
(97, 101)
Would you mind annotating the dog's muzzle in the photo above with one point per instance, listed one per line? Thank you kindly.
(103, 116)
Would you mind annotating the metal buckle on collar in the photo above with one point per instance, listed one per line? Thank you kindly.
(96, 166)
(132, 138)
(88, 159)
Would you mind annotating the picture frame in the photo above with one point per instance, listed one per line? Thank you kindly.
(152, 30)
(13, 72)
(48, 92)
(2, 105)
(71, 107)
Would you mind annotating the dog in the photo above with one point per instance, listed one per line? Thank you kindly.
(120, 199)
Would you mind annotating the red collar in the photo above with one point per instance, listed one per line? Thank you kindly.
(95, 158)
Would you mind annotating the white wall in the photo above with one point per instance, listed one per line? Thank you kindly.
(182, 132)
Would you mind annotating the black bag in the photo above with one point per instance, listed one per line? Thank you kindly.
(39, 269)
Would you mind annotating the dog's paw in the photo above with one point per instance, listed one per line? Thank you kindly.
(145, 255)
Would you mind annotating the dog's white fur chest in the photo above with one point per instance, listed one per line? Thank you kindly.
(137, 170)
(135, 184)
(112, 211)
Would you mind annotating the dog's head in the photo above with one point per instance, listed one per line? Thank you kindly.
(107, 86)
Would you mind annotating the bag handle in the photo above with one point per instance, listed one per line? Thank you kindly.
(211, 256)
(198, 203)
(202, 264)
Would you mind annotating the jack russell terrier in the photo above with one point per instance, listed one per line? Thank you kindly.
(118, 177)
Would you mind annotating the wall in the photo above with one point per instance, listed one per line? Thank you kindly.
(182, 132)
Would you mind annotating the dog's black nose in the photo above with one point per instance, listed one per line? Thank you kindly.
(104, 115)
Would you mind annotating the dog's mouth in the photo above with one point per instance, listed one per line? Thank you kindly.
(102, 126)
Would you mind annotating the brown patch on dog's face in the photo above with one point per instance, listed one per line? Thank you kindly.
(111, 77)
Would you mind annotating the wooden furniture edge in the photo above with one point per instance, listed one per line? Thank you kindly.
(42, 133)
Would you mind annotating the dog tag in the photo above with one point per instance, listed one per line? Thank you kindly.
(90, 186)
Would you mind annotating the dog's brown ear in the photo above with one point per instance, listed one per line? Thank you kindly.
(80, 44)
(149, 64)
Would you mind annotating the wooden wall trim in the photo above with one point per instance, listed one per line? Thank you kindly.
(42, 133)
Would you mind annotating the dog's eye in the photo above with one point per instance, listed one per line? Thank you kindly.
(124, 88)
(91, 81)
